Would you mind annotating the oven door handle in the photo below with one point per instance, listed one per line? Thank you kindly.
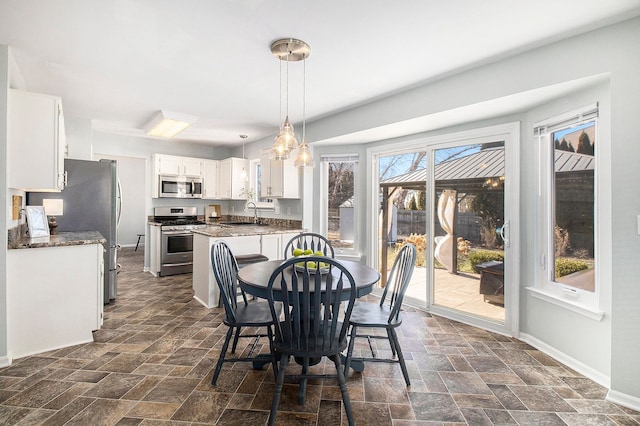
(186, 232)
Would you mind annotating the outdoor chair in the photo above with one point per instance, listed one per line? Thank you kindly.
(310, 329)
(309, 241)
(238, 315)
(385, 314)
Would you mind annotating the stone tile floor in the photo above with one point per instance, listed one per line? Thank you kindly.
(151, 364)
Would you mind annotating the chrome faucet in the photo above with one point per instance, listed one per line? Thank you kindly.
(255, 212)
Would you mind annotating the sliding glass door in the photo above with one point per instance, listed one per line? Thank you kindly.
(455, 200)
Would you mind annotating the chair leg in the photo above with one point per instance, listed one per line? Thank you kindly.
(343, 388)
(352, 341)
(235, 340)
(403, 366)
(274, 359)
(302, 392)
(278, 389)
(391, 342)
(223, 352)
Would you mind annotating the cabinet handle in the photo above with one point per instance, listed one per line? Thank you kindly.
(64, 179)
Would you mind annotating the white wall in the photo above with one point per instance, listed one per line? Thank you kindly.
(4, 220)
(132, 176)
(608, 349)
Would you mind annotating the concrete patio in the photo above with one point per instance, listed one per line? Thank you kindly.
(460, 292)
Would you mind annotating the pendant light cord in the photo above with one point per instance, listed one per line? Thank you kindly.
(304, 99)
(287, 82)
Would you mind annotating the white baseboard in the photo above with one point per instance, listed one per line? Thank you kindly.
(580, 367)
(5, 361)
(202, 303)
(623, 399)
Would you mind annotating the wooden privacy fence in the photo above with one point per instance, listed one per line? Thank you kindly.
(415, 222)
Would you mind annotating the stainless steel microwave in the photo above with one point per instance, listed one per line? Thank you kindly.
(180, 187)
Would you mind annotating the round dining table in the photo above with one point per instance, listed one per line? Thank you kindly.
(254, 278)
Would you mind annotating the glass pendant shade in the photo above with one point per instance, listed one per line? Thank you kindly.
(279, 149)
(287, 136)
(304, 158)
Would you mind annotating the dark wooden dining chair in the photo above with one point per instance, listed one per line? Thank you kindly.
(385, 314)
(239, 314)
(309, 240)
(310, 330)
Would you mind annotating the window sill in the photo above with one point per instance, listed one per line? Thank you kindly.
(352, 257)
(578, 308)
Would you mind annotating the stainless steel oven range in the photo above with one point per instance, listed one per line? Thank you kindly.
(176, 246)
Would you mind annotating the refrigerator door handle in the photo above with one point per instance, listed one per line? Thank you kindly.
(120, 205)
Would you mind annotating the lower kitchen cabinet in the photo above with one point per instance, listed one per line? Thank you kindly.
(204, 284)
(54, 297)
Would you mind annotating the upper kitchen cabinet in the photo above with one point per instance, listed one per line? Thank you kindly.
(36, 142)
(173, 165)
(278, 178)
(231, 182)
(210, 178)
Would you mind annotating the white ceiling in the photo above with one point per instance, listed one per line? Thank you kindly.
(116, 62)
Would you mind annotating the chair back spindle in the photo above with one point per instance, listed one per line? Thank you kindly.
(309, 241)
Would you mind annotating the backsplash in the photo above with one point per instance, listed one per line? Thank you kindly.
(284, 223)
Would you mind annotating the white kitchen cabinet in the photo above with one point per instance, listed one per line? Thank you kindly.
(272, 245)
(36, 142)
(231, 180)
(210, 176)
(205, 287)
(174, 165)
(204, 283)
(279, 178)
(56, 309)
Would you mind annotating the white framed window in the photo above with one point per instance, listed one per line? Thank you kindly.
(339, 208)
(567, 236)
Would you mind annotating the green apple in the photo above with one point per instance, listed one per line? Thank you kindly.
(308, 252)
(319, 253)
(311, 265)
(298, 252)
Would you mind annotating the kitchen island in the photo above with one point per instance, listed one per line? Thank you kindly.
(246, 238)
(54, 291)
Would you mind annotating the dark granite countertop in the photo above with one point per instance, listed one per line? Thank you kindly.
(222, 230)
(59, 240)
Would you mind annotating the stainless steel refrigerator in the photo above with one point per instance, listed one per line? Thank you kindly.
(91, 203)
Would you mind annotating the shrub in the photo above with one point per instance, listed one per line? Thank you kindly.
(418, 240)
(565, 266)
(480, 256)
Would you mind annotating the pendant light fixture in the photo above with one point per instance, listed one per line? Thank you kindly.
(289, 50)
(304, 158)
(243, 174)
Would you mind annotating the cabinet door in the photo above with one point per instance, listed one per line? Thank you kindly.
(279, 178)
(224, 179)
(35, 142)
(210, 178)
(192, 167)
(247, 244)
(168, 165)
(265, 175)
(272, 246)
(238, 182)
